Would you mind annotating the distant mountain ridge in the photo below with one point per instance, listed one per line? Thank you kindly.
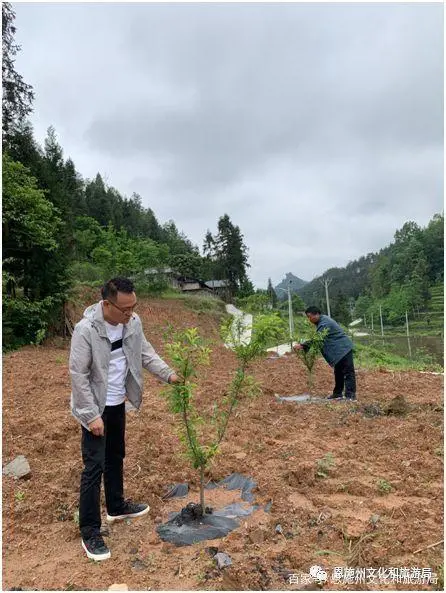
(292, 281)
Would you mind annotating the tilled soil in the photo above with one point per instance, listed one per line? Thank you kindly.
(374, 505)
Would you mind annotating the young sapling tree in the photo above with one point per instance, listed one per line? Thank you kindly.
(189, 354)
(313, 344)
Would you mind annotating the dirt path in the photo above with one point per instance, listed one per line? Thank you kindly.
(347, 514)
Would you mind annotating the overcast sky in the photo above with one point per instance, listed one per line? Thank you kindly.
(318, 128)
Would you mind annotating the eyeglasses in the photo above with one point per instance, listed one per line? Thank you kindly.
(126, 310)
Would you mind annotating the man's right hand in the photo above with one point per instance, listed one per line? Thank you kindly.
(97, 427)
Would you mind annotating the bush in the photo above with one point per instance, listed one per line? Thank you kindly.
(155, 287)
(25, 321)
(87, 272)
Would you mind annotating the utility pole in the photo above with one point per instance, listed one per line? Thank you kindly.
(408, 337)
(372, 324)
(381, 317)
(326, 283)
(351, 306)
(290, 313)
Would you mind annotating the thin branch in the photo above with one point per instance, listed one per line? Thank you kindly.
(428, 547)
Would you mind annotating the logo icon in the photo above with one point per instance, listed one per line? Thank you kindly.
(318, 573)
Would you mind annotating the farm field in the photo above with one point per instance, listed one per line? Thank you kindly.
(373, 502)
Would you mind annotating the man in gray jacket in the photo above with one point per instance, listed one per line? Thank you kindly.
(108, 352)
(337, 351)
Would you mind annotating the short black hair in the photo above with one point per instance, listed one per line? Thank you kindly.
(119, 284)
(313, 310)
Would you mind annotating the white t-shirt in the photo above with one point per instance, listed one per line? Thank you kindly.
(118, 366)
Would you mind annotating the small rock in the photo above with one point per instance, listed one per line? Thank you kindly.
(374, 520)
(257, 536)
(222, 560)
(118, 587)
(240, 455)
(18, 468)
(158, 520)
(279, 528)
(133, 550)
(138, 564)
(371, 410)
(211, 550)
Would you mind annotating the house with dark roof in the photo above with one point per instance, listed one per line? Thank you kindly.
(219, 287)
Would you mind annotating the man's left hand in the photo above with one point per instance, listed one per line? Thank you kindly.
(174, 379)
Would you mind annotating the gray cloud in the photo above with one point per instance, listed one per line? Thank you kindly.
(317, 128)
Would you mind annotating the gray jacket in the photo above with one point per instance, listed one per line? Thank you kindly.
(90, 359)
(336, 344)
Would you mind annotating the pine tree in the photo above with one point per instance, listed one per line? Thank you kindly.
(17, 95)
(231, 253)
(272, 294)
(98, 204)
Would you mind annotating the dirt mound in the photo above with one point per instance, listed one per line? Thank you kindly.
(388, 467)
(397, 407)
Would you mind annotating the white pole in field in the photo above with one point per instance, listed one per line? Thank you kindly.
(326, 282)
(408, 337)
(328, 300)
(290, 313)
(372, 323)
(381, 317)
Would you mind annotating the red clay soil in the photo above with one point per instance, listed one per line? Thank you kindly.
(343, 519)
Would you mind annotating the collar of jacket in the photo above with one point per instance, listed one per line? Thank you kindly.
(99, 323)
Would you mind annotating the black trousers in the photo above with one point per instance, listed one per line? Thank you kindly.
(344, 372)
(102, 455)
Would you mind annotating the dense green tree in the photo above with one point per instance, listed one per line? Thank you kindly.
(73, 185)
(362, 305)
(23, 148)
(246, 288)
(97, 201)
(271, 294)
(87, 235)
(30, 225)
(231, 253)
(433, 241)
(17, 95)
(176, 241)
(297, 304)
(339, 308)
(419, 293)
(187, 264)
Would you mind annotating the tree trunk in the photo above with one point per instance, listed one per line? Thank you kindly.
(310, 381)
(202, 488)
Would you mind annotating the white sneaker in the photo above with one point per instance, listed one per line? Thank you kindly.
(130, 510)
